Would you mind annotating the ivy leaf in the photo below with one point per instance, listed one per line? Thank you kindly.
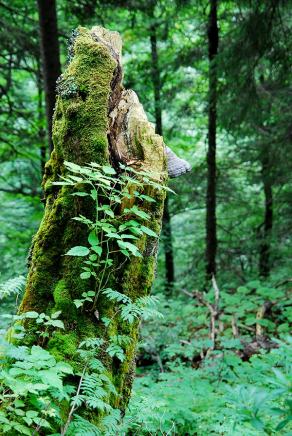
(78, 251)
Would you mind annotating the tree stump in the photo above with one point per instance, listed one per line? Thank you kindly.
(95, 120)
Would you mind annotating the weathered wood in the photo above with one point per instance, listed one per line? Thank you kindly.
(95, 120)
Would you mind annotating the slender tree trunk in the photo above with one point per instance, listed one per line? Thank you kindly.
(167, 231)
(50, 57)
(42, 133)
(265, 245)
(211, 227)
(95, 120)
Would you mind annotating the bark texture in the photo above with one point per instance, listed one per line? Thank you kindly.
(95, 120)
(50, 57)
(211, 225)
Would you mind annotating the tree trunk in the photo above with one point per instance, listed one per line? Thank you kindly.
(167, 231)
(50, 54)
(265, 245)
(95, 120)
(211, 228)
(42, 132)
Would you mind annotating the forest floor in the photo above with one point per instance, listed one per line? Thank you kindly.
(216, 363)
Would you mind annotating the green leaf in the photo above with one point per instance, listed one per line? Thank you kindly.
(108, 170)
(80, 194)
(31, 413)
(85, 275)
(19, 403)
(57, 323)
(113, 235)
(97, 249)
(109, 212)
(148, 231)
(64, 367)
(130, 247)
(41, 422)
(31, 314)
(116, 350)
(51, 377)
(147, 198)
(22, 429)
(138, 212)
(56, 315)
(78, 303)
(78, 251)
(92, 238)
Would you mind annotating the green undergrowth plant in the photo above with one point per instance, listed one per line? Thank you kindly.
(242, 386)
(10, 292)
(118, 223)
(40, 394)
(224, 395)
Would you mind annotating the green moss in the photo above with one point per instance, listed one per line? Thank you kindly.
(62, 298)
(64, 346)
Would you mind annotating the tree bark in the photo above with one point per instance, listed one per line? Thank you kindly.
(211, 226)
(265, 245)
(42, 132)
(166, 230)
(95, 120)
(50, 54)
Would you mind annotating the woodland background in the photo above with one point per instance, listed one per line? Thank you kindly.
(233, 101)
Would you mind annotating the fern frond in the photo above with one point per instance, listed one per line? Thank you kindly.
(12, 286)
(81, 427)
(116, 296)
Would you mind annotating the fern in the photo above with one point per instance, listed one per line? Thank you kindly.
(116, 296)
(111, 421)
(12, 286)
(82, 427)
(91, 343)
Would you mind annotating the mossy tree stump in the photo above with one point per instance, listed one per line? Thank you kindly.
(95, 120)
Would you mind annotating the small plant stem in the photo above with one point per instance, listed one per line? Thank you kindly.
(73, 408)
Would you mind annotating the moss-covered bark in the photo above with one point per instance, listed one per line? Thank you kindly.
(94, 120)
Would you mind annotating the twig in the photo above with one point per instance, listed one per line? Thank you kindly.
(213, 309)
(234, 326)
(73, 408)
